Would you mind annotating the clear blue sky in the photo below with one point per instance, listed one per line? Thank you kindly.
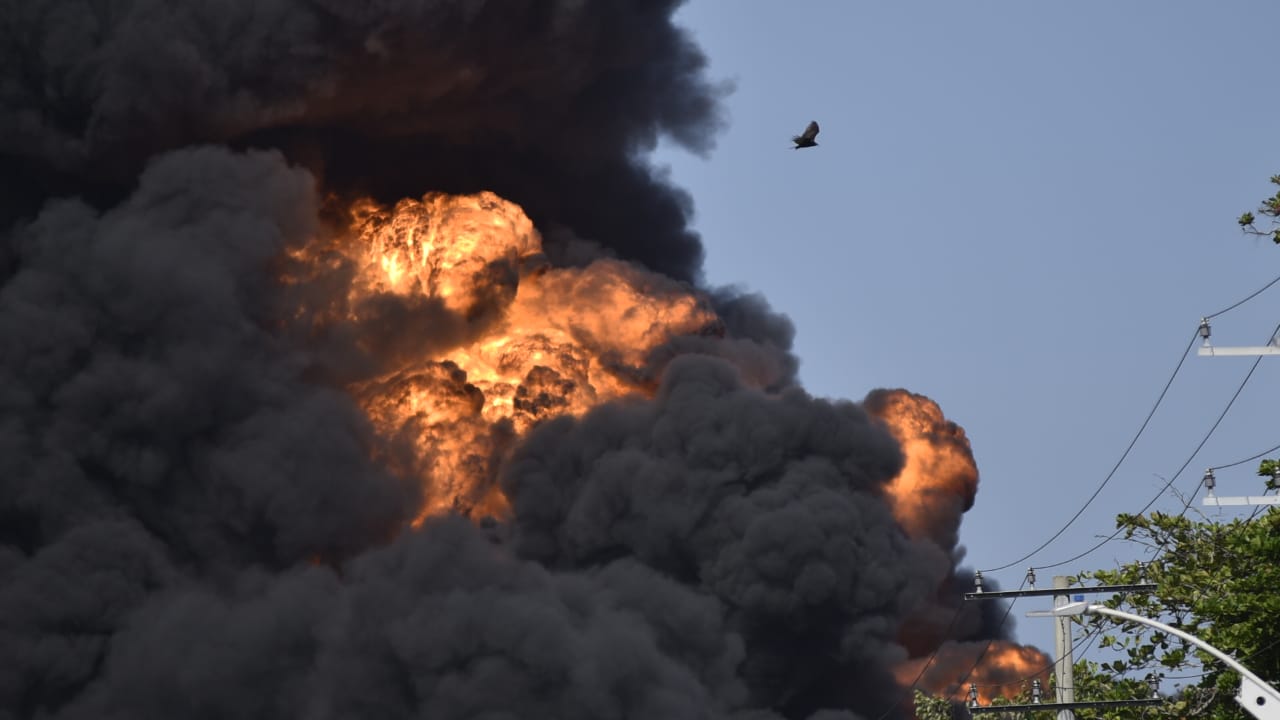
(1021, 210)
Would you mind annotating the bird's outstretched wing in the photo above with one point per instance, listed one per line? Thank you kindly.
(806, 138)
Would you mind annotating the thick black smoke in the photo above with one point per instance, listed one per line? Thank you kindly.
(772, 504)
(194, 523)
(548, 103)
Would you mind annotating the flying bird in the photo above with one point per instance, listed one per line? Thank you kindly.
(806, 138)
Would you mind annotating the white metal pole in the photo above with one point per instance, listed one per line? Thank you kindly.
(1256, 696)
(1064, 670)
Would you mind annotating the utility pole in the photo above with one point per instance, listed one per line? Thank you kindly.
(1064, 671)
(1258, 697)
(1210, 499)
(1208, 350)
(1063, 596)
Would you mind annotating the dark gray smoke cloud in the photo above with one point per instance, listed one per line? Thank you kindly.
(195, 523)
(155, 429)
(435, 625)
(550, 104)
(772, 503)
(169, 481)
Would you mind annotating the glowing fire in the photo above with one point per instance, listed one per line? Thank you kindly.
(1005, 670)
(474, 339)
(533, 342)
(936, 485)
(940, 478)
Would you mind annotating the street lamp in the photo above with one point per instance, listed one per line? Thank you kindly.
(1258, 698)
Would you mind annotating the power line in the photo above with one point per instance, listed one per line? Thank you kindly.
(1186, 506)
(1173, 479)
(1122, 590)
(1080, 645)
(933, 656)
(1190, 498)
(1089, 637)
(1092, 636)
(1141, 429)
(1115, 467)
(1251, 457)
(1251, 296)
(985, 648)
(1258, 510)
(1193, 676)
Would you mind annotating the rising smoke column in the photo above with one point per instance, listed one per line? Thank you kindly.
(548, 104)
(200, 513)
(774, 504)
(952, 644)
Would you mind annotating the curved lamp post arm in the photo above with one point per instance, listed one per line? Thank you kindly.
(1255, 695)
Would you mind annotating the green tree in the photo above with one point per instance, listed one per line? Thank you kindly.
(1270, 207)
(1098, 681)
(1270, 469)
(932, 707)
(1217, 581)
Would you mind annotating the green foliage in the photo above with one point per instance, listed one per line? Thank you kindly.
(1098, 681)
(1023, 698)
(1217, 581)
(932, 707)
(1270, 207)
(1270, 469)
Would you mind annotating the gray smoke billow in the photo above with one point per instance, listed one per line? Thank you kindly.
(548, 104)
(191, 524)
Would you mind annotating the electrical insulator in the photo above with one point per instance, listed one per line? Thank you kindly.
(1209, 481)
(1154, 683)
(973, 695)
(977, 581)
(1031, 577)
(1037, 693)
(1204, 329)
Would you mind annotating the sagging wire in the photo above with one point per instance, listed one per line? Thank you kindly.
(1147, 421)
(934, 655)
(1176, 475)
(1251, 296)
(1264, 453)
(986, 648)
(1202, 331)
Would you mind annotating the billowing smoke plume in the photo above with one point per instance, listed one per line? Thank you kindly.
(249, 470)
(547, 104)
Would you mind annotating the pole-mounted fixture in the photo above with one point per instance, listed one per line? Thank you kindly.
(1255, 695)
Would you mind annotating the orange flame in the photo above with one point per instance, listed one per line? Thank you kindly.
(1003, 669)
(509, 342)
(533, 342)
(937, 484)
(940, 478)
